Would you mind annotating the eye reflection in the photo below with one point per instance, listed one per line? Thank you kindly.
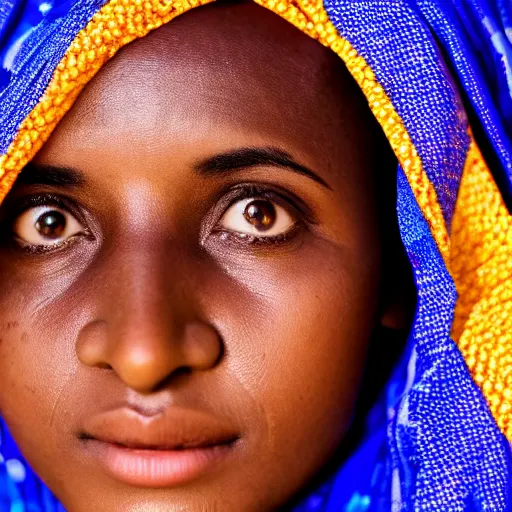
(46, 226)
(261, 214)
(51, 224)
(258, 217)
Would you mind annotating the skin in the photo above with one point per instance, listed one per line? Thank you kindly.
(150, 306)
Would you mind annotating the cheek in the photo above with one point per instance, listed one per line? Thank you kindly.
(297, 344)
(37, 360)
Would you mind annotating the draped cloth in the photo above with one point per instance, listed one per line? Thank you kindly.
(437, 75)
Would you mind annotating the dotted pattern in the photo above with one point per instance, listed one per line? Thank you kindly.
(448, 449)
(481, 263)
(399, 48)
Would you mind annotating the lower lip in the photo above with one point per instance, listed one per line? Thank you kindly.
(157, 468)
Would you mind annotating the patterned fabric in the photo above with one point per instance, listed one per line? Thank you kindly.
(439, 438)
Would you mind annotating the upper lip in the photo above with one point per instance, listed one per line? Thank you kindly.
(173, 429)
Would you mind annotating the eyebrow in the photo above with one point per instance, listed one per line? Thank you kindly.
(38, 174)
(224, 163)
(245, 158)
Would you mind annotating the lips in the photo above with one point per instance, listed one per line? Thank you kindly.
(168, 449)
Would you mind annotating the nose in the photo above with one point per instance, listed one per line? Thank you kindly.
(146, 330)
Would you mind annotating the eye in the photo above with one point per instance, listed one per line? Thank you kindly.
(258, 217)
(46, 226)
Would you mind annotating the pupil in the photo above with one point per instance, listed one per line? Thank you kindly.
(261, 214)
(51, 224)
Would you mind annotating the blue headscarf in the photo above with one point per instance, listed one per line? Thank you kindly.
(439, 437)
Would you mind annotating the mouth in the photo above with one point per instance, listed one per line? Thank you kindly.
(167, 450)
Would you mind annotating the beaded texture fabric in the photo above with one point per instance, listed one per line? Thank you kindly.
(439, 438)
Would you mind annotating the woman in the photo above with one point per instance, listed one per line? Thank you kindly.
(197, 260)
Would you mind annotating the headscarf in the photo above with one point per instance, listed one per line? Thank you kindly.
(437, 75)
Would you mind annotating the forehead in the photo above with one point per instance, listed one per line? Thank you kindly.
(222, 65)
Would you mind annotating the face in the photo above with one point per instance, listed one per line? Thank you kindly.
(191, 271)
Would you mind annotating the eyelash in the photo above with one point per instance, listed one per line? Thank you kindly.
(299, 211)
(45, 199)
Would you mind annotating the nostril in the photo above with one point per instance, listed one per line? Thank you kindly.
(181, 372)
(174, 378)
